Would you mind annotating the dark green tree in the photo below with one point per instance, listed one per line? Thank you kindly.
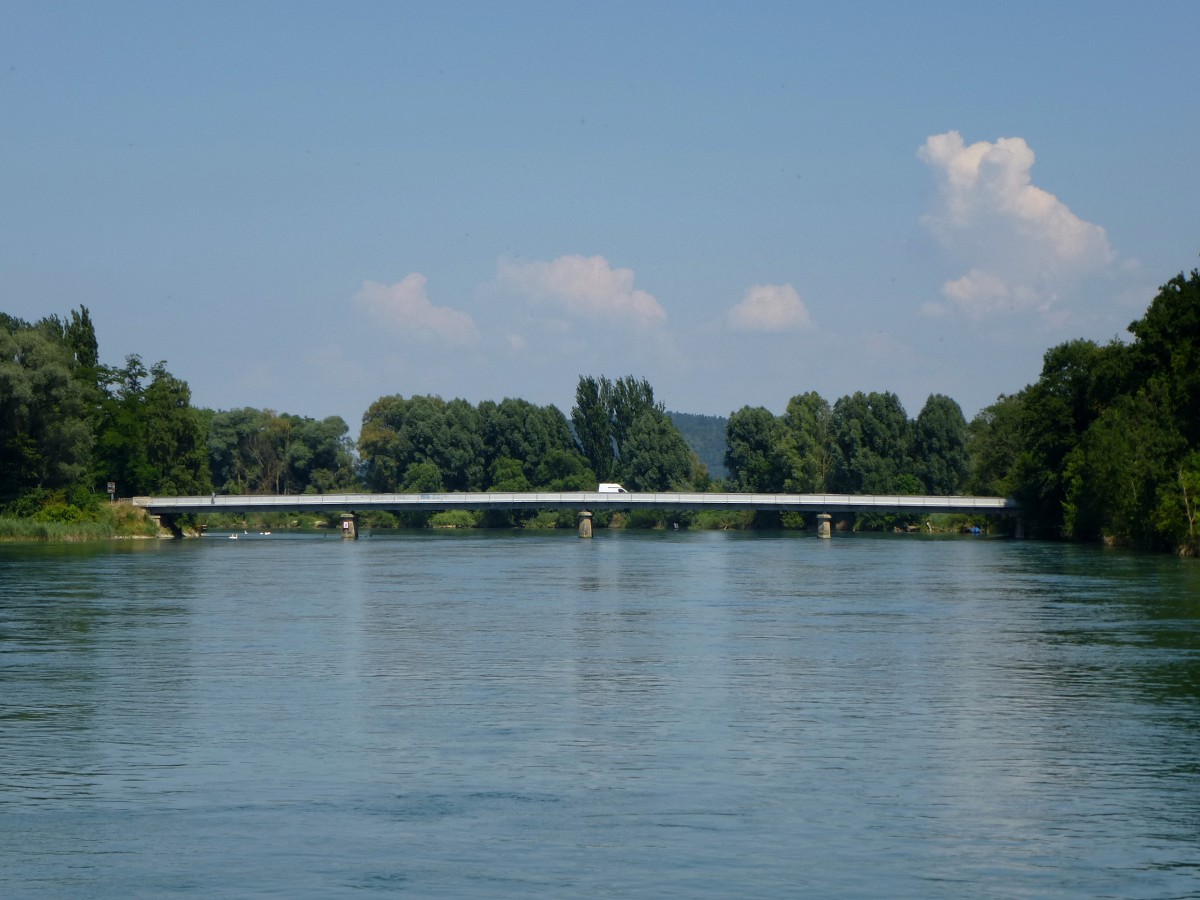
(564, 470)
(1055, 413)
(655, 456)
(46, 435)
(1166, 350)
(872, 445)
(754, 455)
(939, 453)
(1115, 475)
(994, 441)
(592, 422)
(807, 444)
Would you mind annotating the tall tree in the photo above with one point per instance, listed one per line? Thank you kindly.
(754, 450)
(1055, 412)
(872, 439)
(46, 436)
(593, 425)
(656, 457)
(1167, 349)
(940, 446)
(994, 441)
(807, 442)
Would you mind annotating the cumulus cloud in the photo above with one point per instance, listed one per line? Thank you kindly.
(406, 309)
(770, 307)
(587, 287)
(1023, 246)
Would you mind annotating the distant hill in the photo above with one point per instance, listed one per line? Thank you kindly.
(706, 436)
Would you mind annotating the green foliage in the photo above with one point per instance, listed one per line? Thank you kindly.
(46, 436)
(399, 433)
(808, 445)
(625, 435)
(454, 518)
(939, 447)
(754, 451)
(564, 470)
(254, 451)
(1104, 444)
(994, 442)
(592, 422)
(1114, 474)
(872, 439)
(150, 439)
(655, 456)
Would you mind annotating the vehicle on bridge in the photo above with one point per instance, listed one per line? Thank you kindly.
(607, 487)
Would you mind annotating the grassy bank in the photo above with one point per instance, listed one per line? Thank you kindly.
(106, 522)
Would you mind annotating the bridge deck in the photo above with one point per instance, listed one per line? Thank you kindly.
(829, 503)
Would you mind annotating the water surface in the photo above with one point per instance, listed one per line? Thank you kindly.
(666, 714)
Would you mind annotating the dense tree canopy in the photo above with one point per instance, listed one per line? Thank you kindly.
(1105, 443)
(46, 434)
(257, 451)
(626, 435)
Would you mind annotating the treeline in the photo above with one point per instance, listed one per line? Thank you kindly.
(617, 432)
(70, 425)
(862, 444)
(1104, 445)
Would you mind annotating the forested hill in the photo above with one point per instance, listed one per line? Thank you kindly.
(706, 436)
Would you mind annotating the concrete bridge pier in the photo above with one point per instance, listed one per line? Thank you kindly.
(824, 525)
(349, 527)
(585, 524)
(164, 522)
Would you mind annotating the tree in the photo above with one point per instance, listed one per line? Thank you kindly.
(593, 426)
(1055, 412)
(564, 470)
(754, 455)
(607, 414)
(1167, 349)
(46, 436)
(399, 433)
(655, 457)
(807, 444)
(872, 440)
(940, 446)
(994, 441)
(150, 440)
(1114, 476)
(176, 449)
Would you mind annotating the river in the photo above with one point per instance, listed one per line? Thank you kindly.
(667, 714)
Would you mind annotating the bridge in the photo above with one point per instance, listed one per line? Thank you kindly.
(166, 509)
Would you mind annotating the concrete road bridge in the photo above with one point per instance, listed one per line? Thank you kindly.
(167, 509)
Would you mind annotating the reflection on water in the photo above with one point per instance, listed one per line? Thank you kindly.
(668, 714)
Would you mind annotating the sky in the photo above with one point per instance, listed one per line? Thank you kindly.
(305, 207)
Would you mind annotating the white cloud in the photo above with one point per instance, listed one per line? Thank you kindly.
(406, 309)
(1022, 245)
(587, 287)
(770, 307)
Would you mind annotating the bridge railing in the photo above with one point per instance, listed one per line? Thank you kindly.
(830, 503)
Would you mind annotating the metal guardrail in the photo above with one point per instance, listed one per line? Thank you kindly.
(830, 503)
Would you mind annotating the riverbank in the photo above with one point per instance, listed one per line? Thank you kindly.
(112, 522)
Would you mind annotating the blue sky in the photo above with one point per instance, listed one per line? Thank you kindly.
(305, 206)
